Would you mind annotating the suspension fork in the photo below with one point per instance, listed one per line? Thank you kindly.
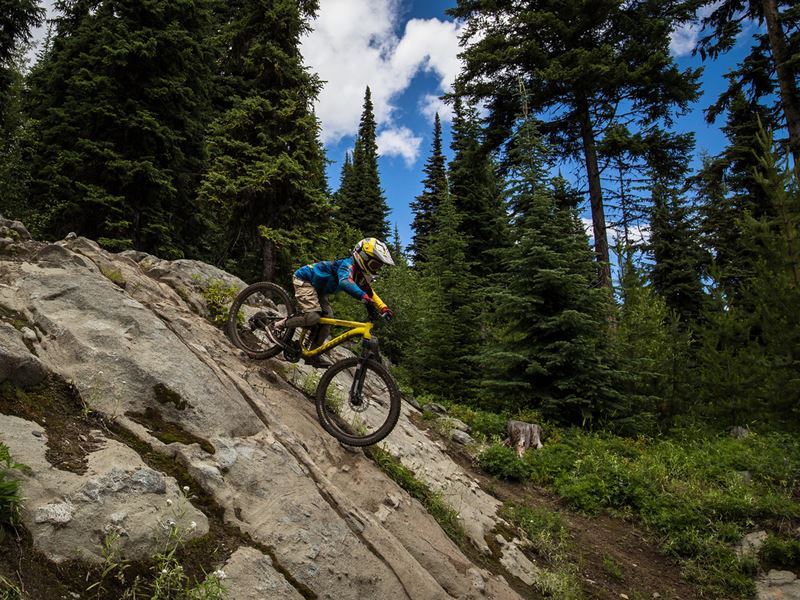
(371, 350)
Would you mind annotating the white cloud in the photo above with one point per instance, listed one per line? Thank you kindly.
(399, 141)
(683, 39)
(430, 104)
(354, 44)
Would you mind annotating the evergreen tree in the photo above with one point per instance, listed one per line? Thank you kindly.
(548, 350)
(121, 105)
(345, 197)
(674, 242)
(749, 362)
(434, 193)
(771, 69)
(361, 204)
(728, 191)
(476, 191)
(656, 349)
(17, 17)
(448, 318)
(579, 61)
(267, 165)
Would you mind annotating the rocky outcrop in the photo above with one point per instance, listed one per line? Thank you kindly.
(124, 330)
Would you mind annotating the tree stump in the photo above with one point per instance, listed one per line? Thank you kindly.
(522, 436)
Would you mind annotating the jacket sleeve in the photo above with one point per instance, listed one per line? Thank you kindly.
(379, 304)
(348, 284)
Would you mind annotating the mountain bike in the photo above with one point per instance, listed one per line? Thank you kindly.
(357, 399)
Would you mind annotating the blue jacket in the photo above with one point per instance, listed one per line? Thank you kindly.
(331, 276)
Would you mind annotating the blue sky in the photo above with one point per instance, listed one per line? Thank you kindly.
(425, 71)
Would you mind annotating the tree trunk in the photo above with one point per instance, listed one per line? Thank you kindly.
(595, 194)
(790, 98)
(268, 260)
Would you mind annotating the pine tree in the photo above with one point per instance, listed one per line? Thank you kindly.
(674, 242)
(548, 349)
(476, 191)
(577, 62)
(267, 165)
(434, 192)
(361, 204)
(728, 191)
(749, 362)
(121, 101)
(771, 69)
(449, 321)
(17, 17)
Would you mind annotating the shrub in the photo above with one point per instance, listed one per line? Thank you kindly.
(218, 296)
(502, 462)
(781, 552)
(9, 489)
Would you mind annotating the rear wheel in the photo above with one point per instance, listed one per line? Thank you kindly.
(253, 310)
(358, 401)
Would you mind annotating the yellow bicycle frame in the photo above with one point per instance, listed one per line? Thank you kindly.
(356, 329)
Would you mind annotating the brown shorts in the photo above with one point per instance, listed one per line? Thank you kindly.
(308, 300)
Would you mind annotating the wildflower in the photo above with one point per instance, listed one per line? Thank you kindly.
(169, 502)
(186, 488)
(193, 525)
(219, 574)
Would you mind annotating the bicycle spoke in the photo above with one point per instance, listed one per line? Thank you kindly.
(359, 415)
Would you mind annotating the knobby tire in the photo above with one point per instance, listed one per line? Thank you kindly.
(328, 421)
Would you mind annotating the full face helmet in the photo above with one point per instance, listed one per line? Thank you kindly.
(370, 254)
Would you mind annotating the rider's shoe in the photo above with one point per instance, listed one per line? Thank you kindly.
(319, 362)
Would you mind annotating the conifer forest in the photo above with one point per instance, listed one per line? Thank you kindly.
(186, 129)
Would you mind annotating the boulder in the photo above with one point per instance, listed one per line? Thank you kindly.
(17, 365)
(778, 585)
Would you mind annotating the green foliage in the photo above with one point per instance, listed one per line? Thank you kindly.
(656, 349)
(427, 205)
(166, 579)
(781, 552)
(748, 367)
(484, 425)
(360, 201)
(114, 275)
(502, 462)
(9, 490)
(441, 355)
(543, 528)
(121, 106)
(689, 488)
(548, 332)
(218, 296)
(447, 518)
(477, 192)
(9, 591)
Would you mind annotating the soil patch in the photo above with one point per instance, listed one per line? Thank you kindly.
(167, 431)
(613, 556)
(58, 408)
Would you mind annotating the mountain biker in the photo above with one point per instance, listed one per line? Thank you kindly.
(315, 282)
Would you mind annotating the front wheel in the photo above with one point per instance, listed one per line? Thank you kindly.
(358, 401)
(253, 310)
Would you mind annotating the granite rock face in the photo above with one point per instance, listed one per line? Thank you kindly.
(127, 331)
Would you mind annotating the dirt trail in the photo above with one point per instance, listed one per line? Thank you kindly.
(615, 558)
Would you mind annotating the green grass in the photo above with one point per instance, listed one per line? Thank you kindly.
(115, 276)
(433, 502)
(700, 494)
(543, 528)
(9, 489)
